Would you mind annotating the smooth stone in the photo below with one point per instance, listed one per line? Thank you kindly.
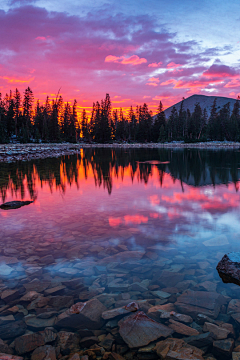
(139, 330)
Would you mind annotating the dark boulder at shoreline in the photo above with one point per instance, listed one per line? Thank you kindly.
(229, 268)
(14, 205)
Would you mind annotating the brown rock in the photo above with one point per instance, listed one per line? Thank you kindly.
(27, 343)
(182, 329)
(83, 315)
(30, 296)
(46, 352)
(139, 330)
(9, 295)
(171, 349)
(219, 332)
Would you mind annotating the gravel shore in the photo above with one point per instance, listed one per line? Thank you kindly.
(15, 152)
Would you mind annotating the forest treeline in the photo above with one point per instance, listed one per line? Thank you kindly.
(23, 120)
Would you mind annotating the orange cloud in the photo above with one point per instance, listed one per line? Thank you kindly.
(132, 60)
(14, 81)
(153, 81)
(155, 64)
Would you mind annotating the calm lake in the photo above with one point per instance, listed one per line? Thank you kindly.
(118, 226)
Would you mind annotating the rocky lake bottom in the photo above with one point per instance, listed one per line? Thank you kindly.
(116, 256)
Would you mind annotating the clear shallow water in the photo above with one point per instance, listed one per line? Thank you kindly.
(113, 218)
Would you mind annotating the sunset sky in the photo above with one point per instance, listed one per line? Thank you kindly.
(137, 51)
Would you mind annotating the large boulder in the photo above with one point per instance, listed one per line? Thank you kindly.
(138, 330)
(82, 315)
(229, 268)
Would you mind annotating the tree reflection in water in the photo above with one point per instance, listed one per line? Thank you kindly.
(193, 167)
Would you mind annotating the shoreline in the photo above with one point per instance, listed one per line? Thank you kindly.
(17, 152)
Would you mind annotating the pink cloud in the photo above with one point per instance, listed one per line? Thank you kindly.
(172, 65)
(220, 71)
(155, 64)
(167, 82)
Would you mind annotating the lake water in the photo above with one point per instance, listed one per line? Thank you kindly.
(119, 226)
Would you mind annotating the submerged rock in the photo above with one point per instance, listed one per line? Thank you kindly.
(139, 330)
(14, 205)
(229, 268)
(200, 302)
(177, 349)
(82, 315)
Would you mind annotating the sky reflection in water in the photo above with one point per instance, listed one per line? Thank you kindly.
(104, 193)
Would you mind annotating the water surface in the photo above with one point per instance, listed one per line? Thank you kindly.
(179, 209)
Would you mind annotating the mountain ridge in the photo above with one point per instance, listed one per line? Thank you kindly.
(205, 101)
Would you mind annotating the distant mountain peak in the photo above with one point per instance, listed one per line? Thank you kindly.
(205, 102)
